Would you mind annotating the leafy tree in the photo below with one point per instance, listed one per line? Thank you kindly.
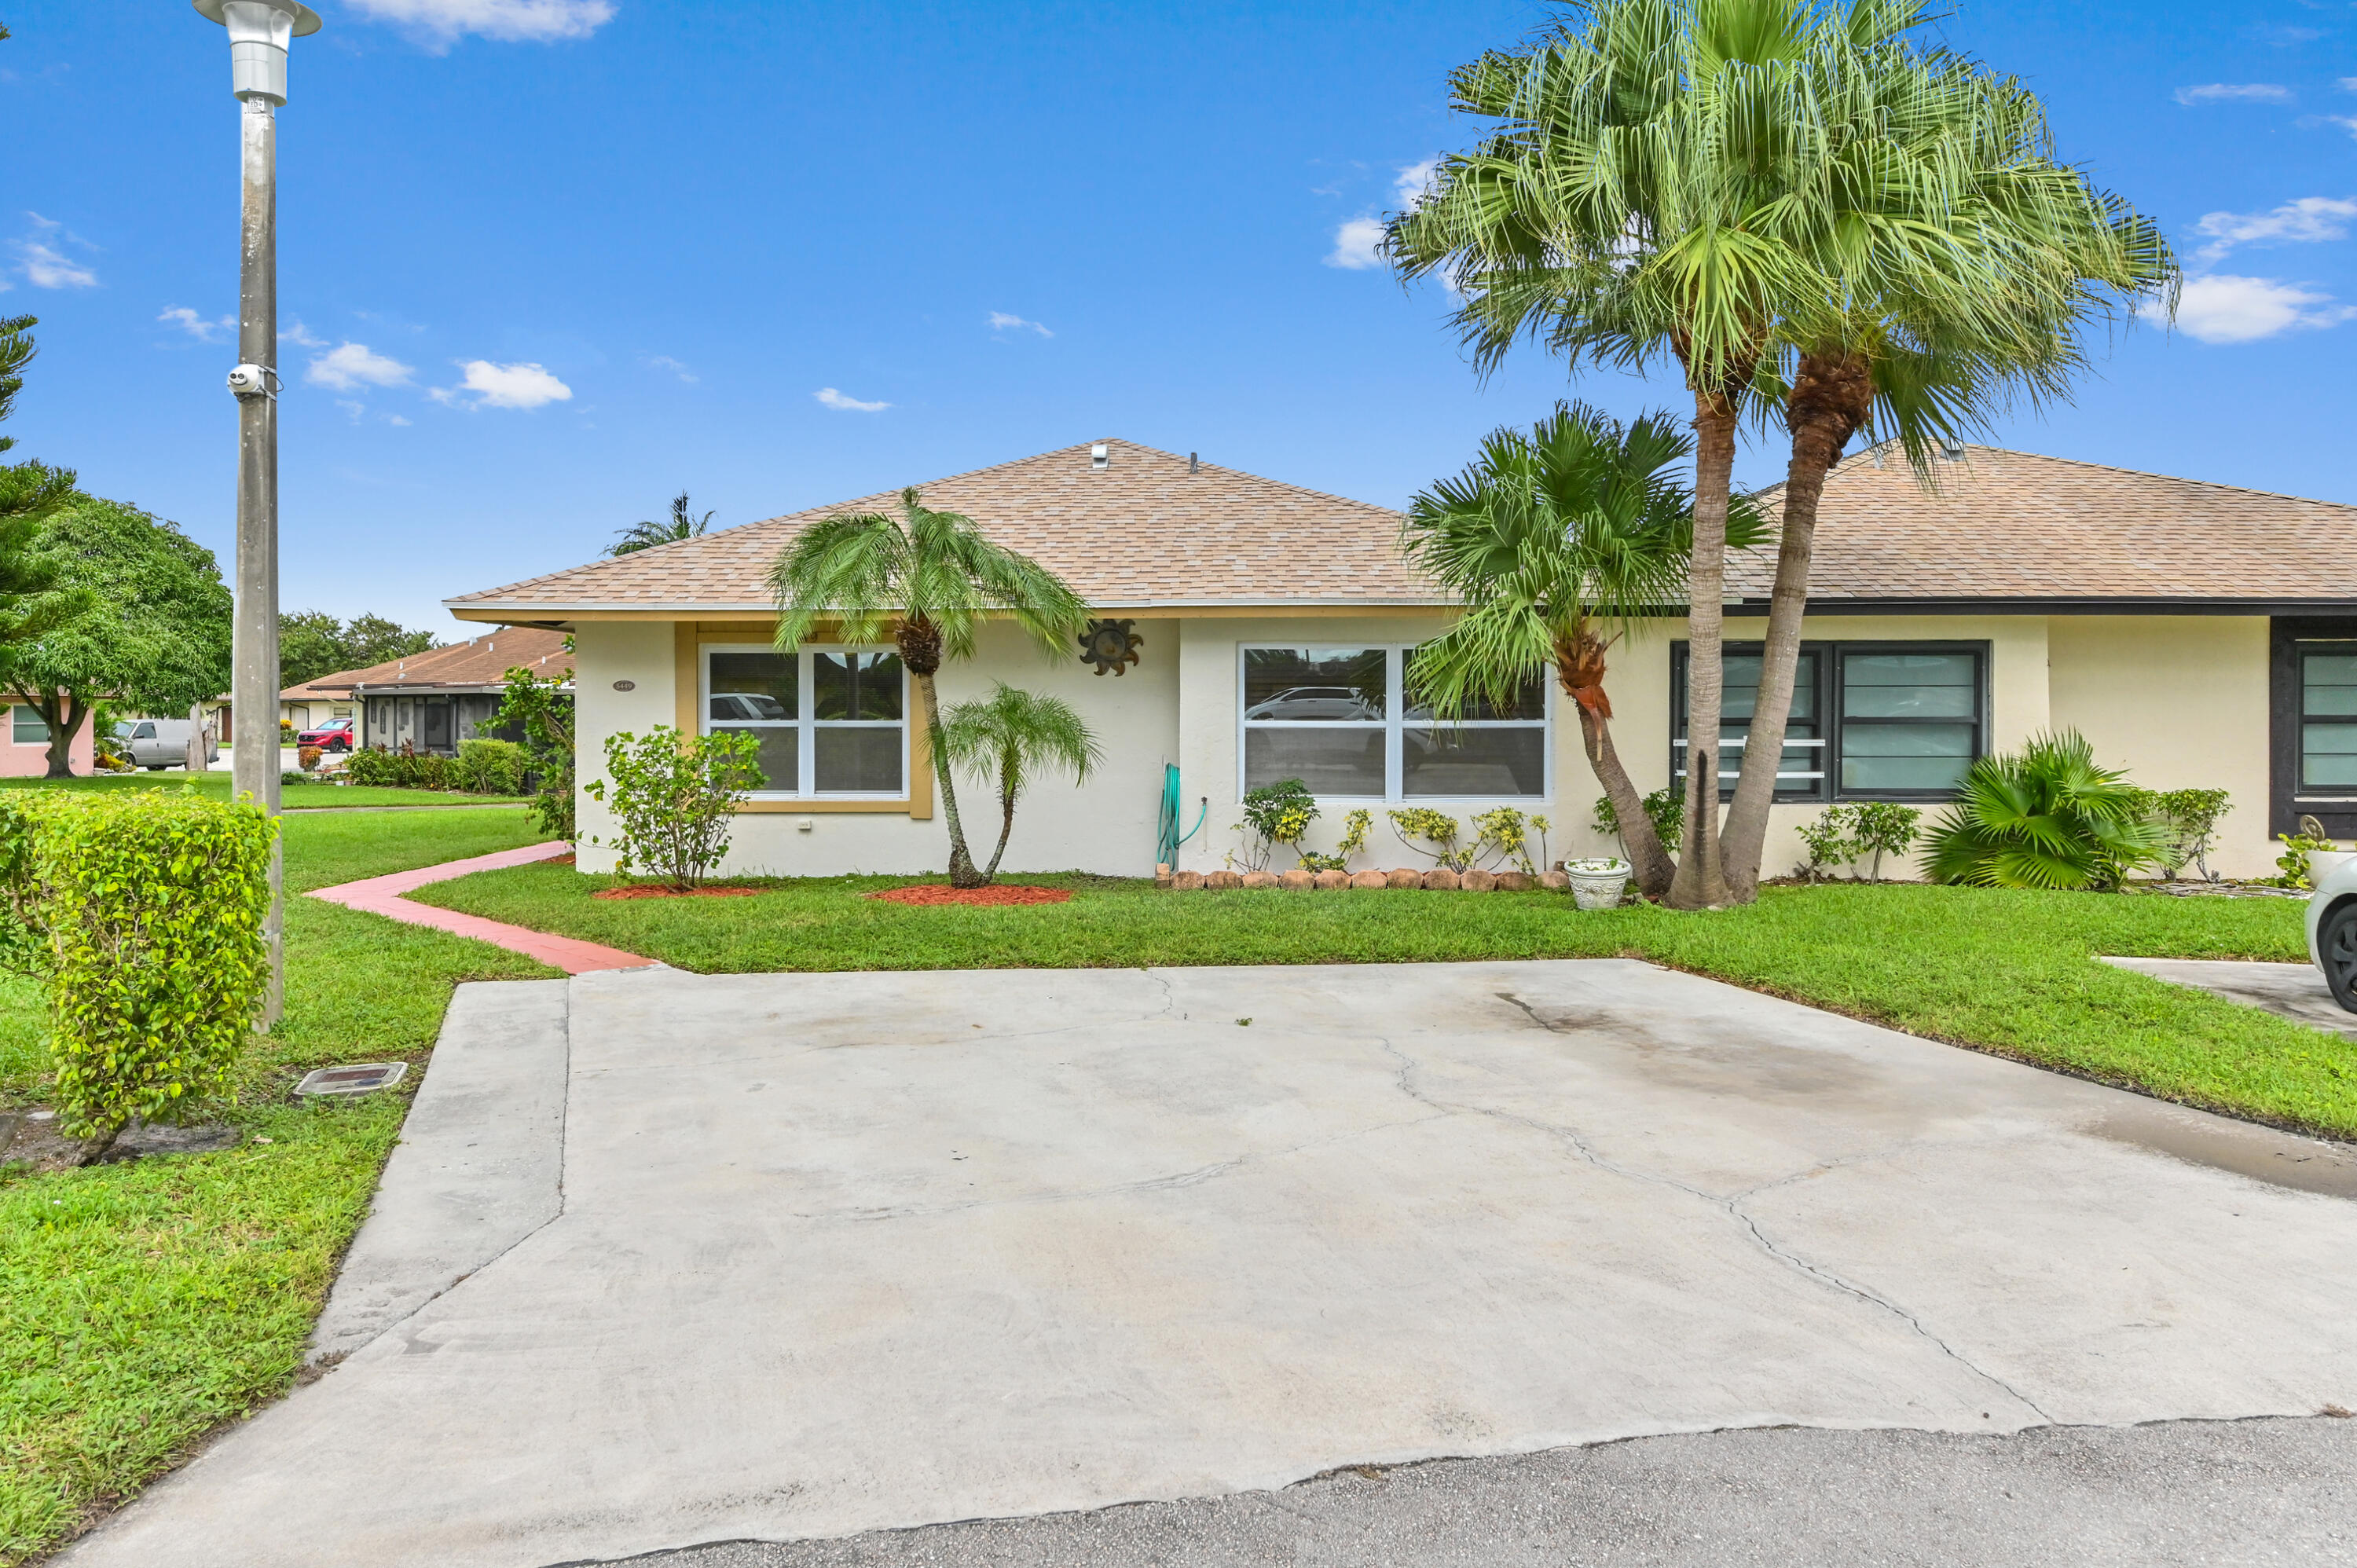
(1557, 542)
(312, 643)
(30, 494)
(1008, 737)
(2047, 817)
(674, 797)
(137, 615)
(540, 716)
(683, 524)
(15, 351)
(930, 578)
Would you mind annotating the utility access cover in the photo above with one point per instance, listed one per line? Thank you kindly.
(360, 1078)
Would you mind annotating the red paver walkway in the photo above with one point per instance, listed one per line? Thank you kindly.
(382, 896)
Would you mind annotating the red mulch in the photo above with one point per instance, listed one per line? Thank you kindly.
(560, 860)
(655, 890)
(941, 892)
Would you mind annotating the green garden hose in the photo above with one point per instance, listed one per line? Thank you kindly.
(1167, 839)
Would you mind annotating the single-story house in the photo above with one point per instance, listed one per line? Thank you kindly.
(315, 703)
(26, 755)
(436, 699)
(2198, 633)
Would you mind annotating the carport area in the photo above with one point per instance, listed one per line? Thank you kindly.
(667, 1260)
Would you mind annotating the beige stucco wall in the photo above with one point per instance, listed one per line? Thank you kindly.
(2181, 702)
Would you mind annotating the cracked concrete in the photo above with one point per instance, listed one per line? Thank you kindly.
(843, 1252)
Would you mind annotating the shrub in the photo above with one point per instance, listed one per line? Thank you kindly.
(143, 911)
(2047, 817)
(1355, 827)
(2190, 818)
(2292, 867)
(1666, 808)
(1437, 829)
(1843, 833)
(1506, 833)
(285, 732)
(307, 759)
(1278, 814)
(541, 717)
(490, 767)
(371, 764)
(674, 796)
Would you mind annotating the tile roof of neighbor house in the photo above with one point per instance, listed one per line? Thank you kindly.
(1143, 531)
(479, 661)
(1999, 528)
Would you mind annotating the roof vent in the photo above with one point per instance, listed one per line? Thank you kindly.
(1192, 465)
(1952, 448)
(1099, 457)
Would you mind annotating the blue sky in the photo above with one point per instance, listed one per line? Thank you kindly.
(553, 260)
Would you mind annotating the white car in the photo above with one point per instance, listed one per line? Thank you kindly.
(2332, 930)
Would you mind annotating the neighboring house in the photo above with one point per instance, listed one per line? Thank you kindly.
(28, 751)
(433, 700)
(2197, 633)
(318, 702)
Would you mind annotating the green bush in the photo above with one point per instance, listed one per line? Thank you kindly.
(490, 767)
(2047, 817)
(2190, 817)
(1845, 833)
(144, 913)
(372, 766)
(674, 796)
(541, 713)
(1666, 808)
(1275, 814)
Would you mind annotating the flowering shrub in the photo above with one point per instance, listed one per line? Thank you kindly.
(307, 759)
(1506, 833)
(1437, 829)
(1278, 814)
(1354, 839)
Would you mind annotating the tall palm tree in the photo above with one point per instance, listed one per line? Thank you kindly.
(931, 578)
(1621, 214)
(1965, 261)
(1007, 737)
(683, 524)
(1556, 542)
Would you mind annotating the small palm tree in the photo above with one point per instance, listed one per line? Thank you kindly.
(683, 524)
(1007, 737)
(2048, 818)
(1556, 542)
(931, 578)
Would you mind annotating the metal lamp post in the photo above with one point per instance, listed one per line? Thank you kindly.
(259, 33)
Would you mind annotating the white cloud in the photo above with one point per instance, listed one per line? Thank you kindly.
(395, 419)
(833, 399)
(1000, 321)
(2228, 310)
(2310, 218)
(196, 326)
(46, 266)
(2345, 121)
(353, 410)
(1414, 181)
(441, 23)
(294, 332)
(348, 366)
(1355, 245)
(504, 386)
(2349, 83)
(665, 362)
(2234, 92)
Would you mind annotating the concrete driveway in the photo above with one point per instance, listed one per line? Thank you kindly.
(668, 1260)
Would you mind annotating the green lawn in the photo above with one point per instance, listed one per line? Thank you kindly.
(294, 797)
(2010, 972)
(142, 1304)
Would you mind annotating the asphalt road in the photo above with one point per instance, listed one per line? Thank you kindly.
(2256, 1492)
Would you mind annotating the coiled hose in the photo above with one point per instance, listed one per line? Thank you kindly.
(1167, 838)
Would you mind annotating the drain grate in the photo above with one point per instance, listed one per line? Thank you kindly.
(360, 1077)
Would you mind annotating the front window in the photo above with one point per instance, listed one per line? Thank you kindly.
(2327, 722)
(828, 721)
(1340, 720)
(27, 726)
(1870, 721)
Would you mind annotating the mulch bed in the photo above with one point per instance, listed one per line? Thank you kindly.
(656, 890)
(560, 860)
(941, 893)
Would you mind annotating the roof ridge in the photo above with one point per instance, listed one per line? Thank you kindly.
(1867, 452)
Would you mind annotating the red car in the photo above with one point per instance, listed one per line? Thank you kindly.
(337, 736)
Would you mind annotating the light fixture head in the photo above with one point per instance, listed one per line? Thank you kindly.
(259, 32)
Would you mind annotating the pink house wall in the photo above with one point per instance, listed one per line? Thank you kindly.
(31, 758)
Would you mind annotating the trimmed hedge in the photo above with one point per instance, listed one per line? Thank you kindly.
(144, 912)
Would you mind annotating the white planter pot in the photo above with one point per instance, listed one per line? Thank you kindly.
(1599, 889)
(2323, 862)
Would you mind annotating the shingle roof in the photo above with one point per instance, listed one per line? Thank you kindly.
(2016, 526)
(338, 685)
(482, 662)
(1143, 531)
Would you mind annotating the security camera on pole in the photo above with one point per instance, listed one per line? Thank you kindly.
(259, 33)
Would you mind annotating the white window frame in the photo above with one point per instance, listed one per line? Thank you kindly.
(1393, 725)
(44, 742)
(804, 723)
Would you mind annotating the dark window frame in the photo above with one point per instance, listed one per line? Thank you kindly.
(2290, 637)
(1831, 658)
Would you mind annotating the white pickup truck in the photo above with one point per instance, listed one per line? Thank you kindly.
(156, 744)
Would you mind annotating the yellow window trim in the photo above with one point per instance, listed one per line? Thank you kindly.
(689, 638)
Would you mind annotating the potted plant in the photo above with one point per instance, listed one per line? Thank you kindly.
(1597, 883)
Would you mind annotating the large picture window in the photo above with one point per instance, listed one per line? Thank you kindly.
(1339, 719)
(828, 721)
(1871, 720)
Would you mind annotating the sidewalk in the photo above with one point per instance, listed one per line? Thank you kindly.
(382, 896)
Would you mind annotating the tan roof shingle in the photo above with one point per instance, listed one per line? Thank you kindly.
(479, 662)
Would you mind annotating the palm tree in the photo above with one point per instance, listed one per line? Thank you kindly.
(683, 524)
(1967, 262)
(1556, 542)
(2048, 818)
(1008, 735)
(932, 579)
(1623, 213)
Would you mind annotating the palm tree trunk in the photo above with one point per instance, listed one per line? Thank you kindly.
(961, 868)
(1699, 883)
(1006, 829)
(1831, 397)
(1579, 666)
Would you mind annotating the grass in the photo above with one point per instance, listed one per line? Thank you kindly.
(2010, 972)
(141, 1304)
(294, 797)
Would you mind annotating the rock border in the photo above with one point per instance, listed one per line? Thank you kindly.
(1402, 879)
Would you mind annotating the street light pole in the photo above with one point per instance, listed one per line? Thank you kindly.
(259, 33)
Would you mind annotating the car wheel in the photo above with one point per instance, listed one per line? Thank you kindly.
(158, 767)
(2335, 944)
